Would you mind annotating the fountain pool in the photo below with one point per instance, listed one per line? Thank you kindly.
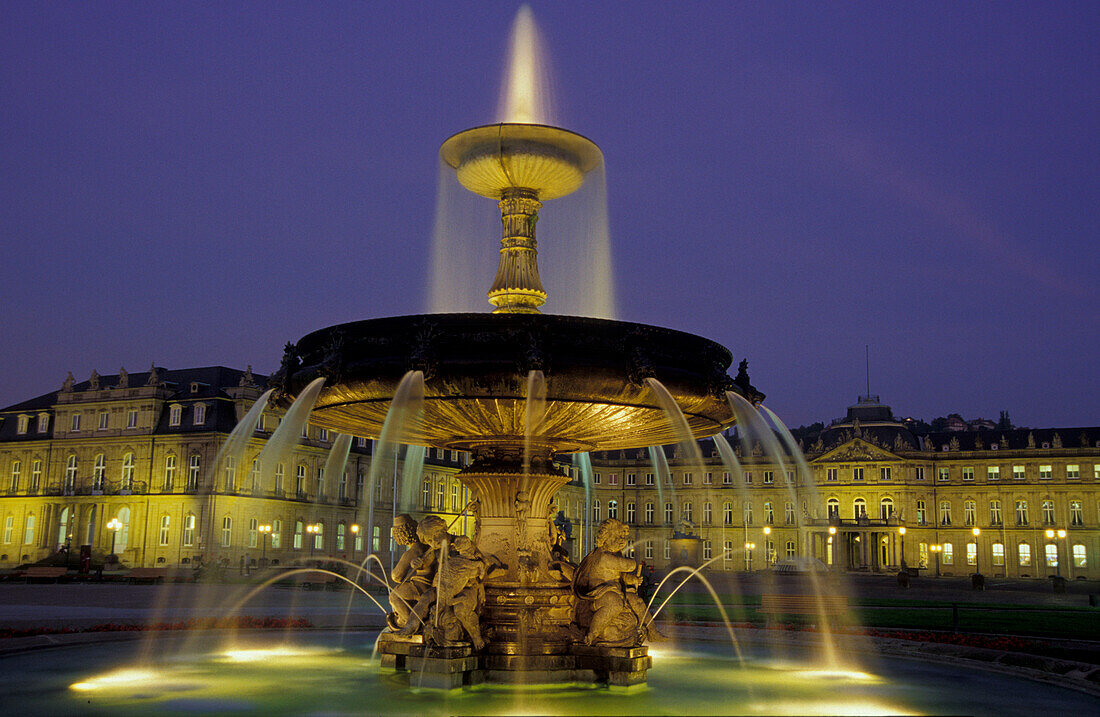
(335, 673)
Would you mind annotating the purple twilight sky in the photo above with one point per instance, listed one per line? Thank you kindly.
(197, 183)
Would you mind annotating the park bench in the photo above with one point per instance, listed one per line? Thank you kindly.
(772, 605)
(153, 575)
(40, 572)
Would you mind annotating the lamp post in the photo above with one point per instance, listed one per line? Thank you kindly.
(1061, 533)
(354, 537)
(749, 547)
(312, 529)
(977, 552)
(265, 530)
(936, 548)
(832, 546)
(114, 524)
(901, 532)
(767, 546)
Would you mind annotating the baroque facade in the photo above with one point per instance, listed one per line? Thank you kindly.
(139, 452)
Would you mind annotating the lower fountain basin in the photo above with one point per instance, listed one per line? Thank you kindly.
(333, 673)
(476, 369)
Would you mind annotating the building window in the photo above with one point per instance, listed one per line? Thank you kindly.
(9, 526)
(993, 473)
(612, 509)
(707, 513)
(28, 530)
(254, 476)
(613, 479)
(99, 470)
(968, 473)
(175, 415)
(43, 422)
(746, 512)
(22, 424)
(598, 479)
(260, 422)
(596, 511)
(193, 469)
(707, 550)
(790, 477)
(319, 537)
(945, 512)
(649, 550)
(358, 540)
(995, 516)
(948, 554)
(227, 531)
(300, 481)
(74, 426)
(36, 475)
(649, 479)
(649, 513)
(131, 419)
(769, 515)
(1023, 552)
(998, 550)
(1076, 515)
(768, 476)
(230, 473)
(165, 522)
(1018, 473)
(831, 475)
(945, 474)
(668, 513)
(1021, 512)
(687, 479)
(1096, 471)
(70, 474)
(668, 550)
(1051, 555)
(189, 530)
(104, 421)
(1080, 559)
(748, 477)
(1045, 472)
(440, 494)
(859, 508)
(297, 541)
(631, 478)
(426, 494)
(1073, 472)
(922, 513)
(630, 513)
(857, 474)
(376, 539)
(708, 479)
(340, 528)
(919, 473)
(280, 471)
(276, 534)
(323, 434)
(127, 482)
(971, 553)
(790, 549)
(726, 478)
(832, 508)
(253, 533)
(16, 469)
(1048, 512)
(886, 508)
(455, 504)
(319, 484)
(884, 473)
(727, 513)
(970, 513)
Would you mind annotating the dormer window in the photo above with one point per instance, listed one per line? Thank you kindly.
(23, 424)
(43, 422)
(175, 414)
(200, 414)
(194, 387)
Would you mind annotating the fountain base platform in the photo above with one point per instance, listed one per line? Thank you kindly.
(457, 665)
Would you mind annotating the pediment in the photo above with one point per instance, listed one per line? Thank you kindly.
(855, 450)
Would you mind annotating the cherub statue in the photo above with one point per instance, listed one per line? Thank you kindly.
(412, 575)
(608, 608)
(432, 533)
(460, 587)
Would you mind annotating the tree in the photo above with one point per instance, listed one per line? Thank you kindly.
(1005, 422)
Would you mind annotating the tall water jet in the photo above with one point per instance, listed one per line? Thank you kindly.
(526, 94)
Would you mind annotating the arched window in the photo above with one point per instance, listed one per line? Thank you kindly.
(16, 469)
(1023, 551)
(189, 530)
(613, 509)
(127, 480)
(945, 512)
(1051, 551)
(832, 506)
(1080, 557)
(99, 469)
(948, 554)
(340, 529)
(28, 532)
(886, 508)
(122, 535)
(165, 523)
(63, 526)
(193, 468)
(859, 508)
(89, 529)
(253, 532)
(970, 512)
(70, 474)
(227, 531)
(998, 550)
(169, 471)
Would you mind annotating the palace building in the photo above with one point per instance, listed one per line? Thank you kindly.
(126, 464)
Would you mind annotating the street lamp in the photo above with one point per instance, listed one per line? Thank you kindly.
(767, 546)
(265, 530)
(901, 532)
(1061, 533)
(977, 553)
(937, 549)
(312, 529)
(114, 524)
(355, 538)
(749, 547)
(832, 546)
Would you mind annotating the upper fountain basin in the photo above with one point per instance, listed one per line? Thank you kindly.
(476, 375)
(492, 159)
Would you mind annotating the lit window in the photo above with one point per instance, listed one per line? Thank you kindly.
(131, 419)
(1021, 512)
(1073, 471)
(1080, 559)
(970, 513)
(998, 550)
(1076, 515)
(227, 531)
(276, 533)
(297, 535)
(971, 553)
(189, 530)
(16, 469)
(28, 530)
(1048, 512)
(1051, 551)
(769, 476)
(945, 512)
(1023, 551)
(948, 554)
(1045, 472)
(612, 509)
(340, 528)
(9, 526)
(1018, 473)
(968, 473)
(995, 516)
(945, 474)
(993, 473)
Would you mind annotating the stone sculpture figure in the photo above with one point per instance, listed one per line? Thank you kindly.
(432, 533)
(609, 610)
(412, 575)
(460, 593)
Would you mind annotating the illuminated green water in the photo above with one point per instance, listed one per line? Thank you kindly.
(329, 674)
